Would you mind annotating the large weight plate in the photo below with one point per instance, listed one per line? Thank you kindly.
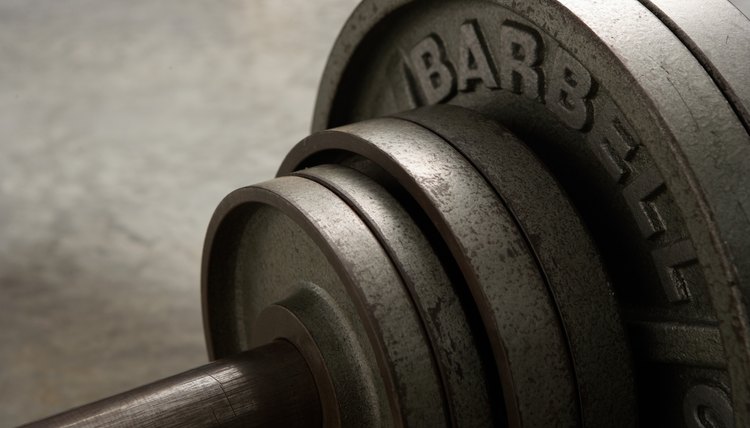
(439, 302)
(718, 34)
(643, 140)
(564, 251)
(528, 344)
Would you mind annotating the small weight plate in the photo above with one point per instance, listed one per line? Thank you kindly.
(287, 321)
(276, 242)
(643, 141)
(522, 323)
(572, 268)
(438, 302)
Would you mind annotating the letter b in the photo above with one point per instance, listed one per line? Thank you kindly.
(434, 74)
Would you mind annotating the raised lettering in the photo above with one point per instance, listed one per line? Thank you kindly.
(669, 262)
(520, 56)
(473, 59)
(639, 194)
(707, 407)
(568, 91)
(432, 71)
(613, 142)
(677, 342)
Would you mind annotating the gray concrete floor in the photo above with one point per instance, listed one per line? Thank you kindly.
(122, 125)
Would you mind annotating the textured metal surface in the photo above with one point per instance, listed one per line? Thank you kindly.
(436, 298)
(637, 132)
(718, 34)
(502, 275)
(268, 386)
(565, 253)
(257, 257)
(318, 299)
(279, 322)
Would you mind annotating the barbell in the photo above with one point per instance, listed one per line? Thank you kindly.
(509, 213)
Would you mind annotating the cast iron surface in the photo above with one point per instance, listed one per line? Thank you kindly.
(522, 323)
(434, 294)
(643, 140)
(718, 34)
(272, 241)
(285, 321)
(565, 253)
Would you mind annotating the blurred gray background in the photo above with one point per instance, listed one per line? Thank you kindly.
(122, 125)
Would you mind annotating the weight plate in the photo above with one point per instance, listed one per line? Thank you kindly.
(286, 321)
(271, 243)
(718, 34)
(522, 323)
(439, 305)
(636, 131)
(565, 253)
